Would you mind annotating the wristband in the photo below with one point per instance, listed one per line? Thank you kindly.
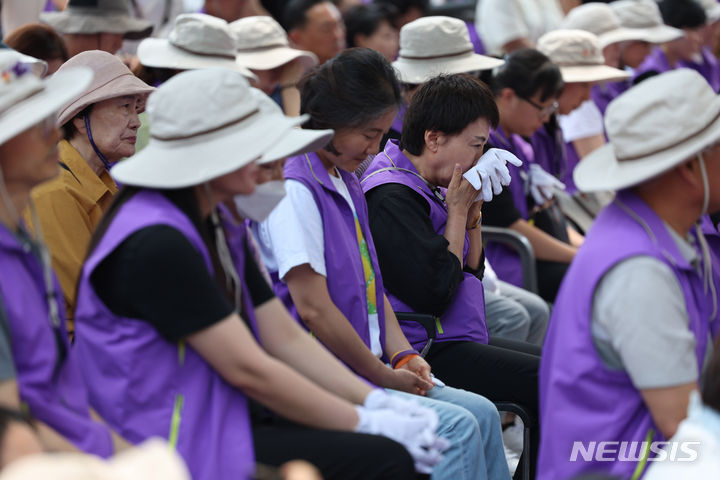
(405, 360)
(399, 356)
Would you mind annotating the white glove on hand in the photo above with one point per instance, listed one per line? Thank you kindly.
(490, 173)
(381, 400)
(542, 184)
(415, 433)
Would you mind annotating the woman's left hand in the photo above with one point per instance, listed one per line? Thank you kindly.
(420, 367)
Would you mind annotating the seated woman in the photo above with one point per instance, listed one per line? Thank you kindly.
(47, 378)
(326, 270)
(101, 124)
(370, 26)
(426, 222)
(526, 91)
(171, 308)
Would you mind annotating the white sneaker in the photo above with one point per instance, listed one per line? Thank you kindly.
(513, 443)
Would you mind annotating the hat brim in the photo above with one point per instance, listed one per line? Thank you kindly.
(420, 71)
(601, 170)
(661, 34)
(622, 35)
(297, 141)
(193, 161)
(592, 73)
(59, 88)
(124, 85)
(713, 13)
(273, 57)
(77, 21)
(160, 53)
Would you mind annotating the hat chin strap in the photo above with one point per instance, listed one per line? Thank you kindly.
(102, 158)
(708, 283)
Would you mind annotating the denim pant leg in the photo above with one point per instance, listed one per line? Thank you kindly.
(465, 459)
(488, 419)
(506, 318)
(536, 307)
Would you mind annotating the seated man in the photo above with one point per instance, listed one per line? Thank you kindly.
(631, 325)
(315, 26)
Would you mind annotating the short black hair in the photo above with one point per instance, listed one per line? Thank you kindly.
(448, 104)
(366, 19)
(527, 71)
(348, 90)
(295, 14)
(403, 6)
(682, 13)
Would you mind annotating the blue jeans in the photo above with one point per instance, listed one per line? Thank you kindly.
(472, 425)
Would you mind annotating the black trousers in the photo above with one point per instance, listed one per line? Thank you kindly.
(338, 455)
(504, 370)
(549, 277)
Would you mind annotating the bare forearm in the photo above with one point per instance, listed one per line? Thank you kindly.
(545, 247)
(475, 248)
(395, 339)
(455, 234)
(584, 146)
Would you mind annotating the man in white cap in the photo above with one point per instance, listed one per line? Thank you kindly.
(96, 25)
(634, 319)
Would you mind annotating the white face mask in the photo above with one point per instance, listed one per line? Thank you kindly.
(258, 205)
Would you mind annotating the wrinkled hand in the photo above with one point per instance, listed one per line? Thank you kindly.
(490, 173)
(460, 193)
(419, 366)
(542, 184)
(407, 381)
(416, 432)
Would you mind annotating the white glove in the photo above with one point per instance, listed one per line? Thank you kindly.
(542, 184)
(490, 173)
(415, 433)
(381, 400)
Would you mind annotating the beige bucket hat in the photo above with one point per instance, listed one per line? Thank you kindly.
(262, 44)
(196, 41)
(25, 99)
(579, 56)
(712, 10)
(431, 46)
(98, 16)
(653, 127)
(600, 19)
(111, 79)
(644, 16)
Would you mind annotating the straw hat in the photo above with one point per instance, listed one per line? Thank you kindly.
(712, 10)
(579, 56)
(262, 44)
(203, 124)
(653, 127)
(196, 41)
(25, 99)
(98, 16)
(431, 46)
(111, 79)
(644, 16)
(599, 18)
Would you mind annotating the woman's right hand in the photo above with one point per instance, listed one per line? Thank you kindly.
(460, 194)
(406, 381)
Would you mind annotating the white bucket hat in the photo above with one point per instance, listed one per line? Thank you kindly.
(431, 46)
(712, 10)
(98, 16)
(196, 41)
(644, 16)
(579, 56)
(653, 127)
(25, 99)
(262, 44)
(203, 124)
(599, 18)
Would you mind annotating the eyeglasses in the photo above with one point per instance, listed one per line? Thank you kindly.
(543, 111)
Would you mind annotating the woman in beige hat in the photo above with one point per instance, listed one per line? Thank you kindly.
(262, 46)
(101, 124)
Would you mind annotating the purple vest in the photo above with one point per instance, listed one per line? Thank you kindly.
(464, 319)
(604, 93)
(475, 39)
(655, 61)
(580, 399)
(708, 68)
(343, 263)
(57, 397)
(555, 155)
(144, 385)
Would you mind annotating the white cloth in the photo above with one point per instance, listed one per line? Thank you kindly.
(490, 279)
(542, 184)
(293, 235)
(490, 173)
(583, 122)
(501, 21)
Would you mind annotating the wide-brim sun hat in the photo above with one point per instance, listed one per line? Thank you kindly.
(203, 124)
(578, 55)
(196, 41)
(644, 16)
(652, 127)
(712, 10)
(98, 16)
(601, 20)
(111, 79)
(431, 46)
(262, 45)
(296, 140)
(25, 99)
